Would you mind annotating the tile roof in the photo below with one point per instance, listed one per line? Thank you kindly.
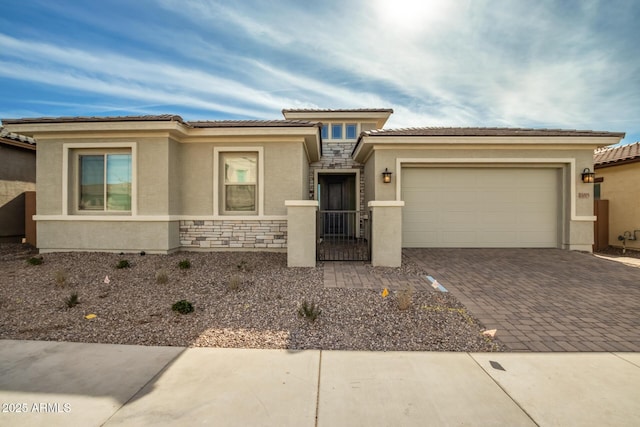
(609, 156)
(16, 137)
(251, 123)
(344, 110)
(477, 131)
(166, 118)
(150, 118)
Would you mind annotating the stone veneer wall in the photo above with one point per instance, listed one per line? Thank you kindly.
(271, 234)
(337, 155)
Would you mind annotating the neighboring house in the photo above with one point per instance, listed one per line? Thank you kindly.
(159, 183)
(618, 181)
(17, 176)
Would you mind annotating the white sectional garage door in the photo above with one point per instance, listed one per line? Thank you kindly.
(479, 207)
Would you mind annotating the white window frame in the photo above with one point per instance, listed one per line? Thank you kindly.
(218, 182)
(68, 150)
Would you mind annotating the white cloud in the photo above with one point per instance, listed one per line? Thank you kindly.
(464, 63)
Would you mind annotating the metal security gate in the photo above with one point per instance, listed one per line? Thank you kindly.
(343, 236)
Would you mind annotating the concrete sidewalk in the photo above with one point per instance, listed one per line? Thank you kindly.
(52, 383)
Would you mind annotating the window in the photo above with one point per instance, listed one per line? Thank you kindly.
(336, 131)
(351, 130)
(325, 132)
(105, 182)
(240, 183)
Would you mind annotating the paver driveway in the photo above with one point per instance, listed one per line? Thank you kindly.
(543, 299)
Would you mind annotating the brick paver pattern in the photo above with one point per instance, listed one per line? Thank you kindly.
(538, 299)
(543, 299)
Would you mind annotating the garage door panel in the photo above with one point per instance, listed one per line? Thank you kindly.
(480, 207)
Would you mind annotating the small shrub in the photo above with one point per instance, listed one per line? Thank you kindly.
(184, 264)
(405, 298)
(72, 301)
(309, 311)
(36, 260)
(60, 277)
(183, 307)
(123, 263)
(234, 282)
(162, 277)
(243, 266)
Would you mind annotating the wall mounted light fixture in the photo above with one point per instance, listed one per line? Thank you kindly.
(386, 176)
(588, 177)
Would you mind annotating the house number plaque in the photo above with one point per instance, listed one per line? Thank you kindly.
(584, 195)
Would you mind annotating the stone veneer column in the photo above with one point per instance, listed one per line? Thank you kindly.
(386, 233)
(301, 226)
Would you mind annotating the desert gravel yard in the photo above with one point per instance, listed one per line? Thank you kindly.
(240, 299)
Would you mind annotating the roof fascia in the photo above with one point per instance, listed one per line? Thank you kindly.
(367, 143)
(70, 129)
(616, 163)
(18, 144)
(379, 117)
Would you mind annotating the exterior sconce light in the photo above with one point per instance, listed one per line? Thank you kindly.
(386, 176)
(588, 177)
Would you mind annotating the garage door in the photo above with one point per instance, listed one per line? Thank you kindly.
(480, 207)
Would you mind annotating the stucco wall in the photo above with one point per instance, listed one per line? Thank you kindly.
(153, 172)
(285, 168)
(620, 187)
(112, 236)
(49, 178)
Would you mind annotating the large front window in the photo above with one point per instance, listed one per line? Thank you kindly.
(240, 182)
(105, 182)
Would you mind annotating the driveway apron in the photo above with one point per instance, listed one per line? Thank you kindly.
(543, 299)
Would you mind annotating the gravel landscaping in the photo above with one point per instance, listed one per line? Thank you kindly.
(240, 299)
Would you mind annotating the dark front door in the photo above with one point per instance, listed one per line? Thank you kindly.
(337, 198)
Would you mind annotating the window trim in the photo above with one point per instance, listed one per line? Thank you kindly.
(218, 191)
(67, 167)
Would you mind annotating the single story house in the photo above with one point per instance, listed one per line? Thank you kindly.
(617, 178)
(160, 184)
(17, 178)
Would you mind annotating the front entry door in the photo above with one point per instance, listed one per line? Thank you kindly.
(336, 193)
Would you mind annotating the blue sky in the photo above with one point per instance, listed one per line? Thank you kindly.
(571, 64)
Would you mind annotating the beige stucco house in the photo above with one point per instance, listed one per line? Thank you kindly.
(159, 183)
(617, 180)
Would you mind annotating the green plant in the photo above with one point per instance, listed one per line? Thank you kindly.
(405, 298)
(36, 260)
(309, 311)
(60, 277)
(72, 301)
(162, 277)
(243, 266)
(184, 264)
(183, 306)
(123, 263)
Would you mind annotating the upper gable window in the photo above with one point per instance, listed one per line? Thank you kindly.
(340, 131)
(351, 130)
(336, 131)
